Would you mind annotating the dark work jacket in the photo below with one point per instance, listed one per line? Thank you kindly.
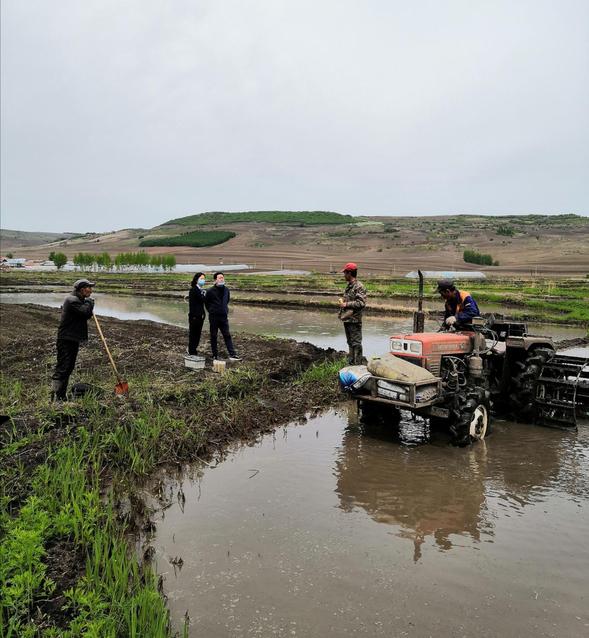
(196, 303)
(464, 308)
(217, 301)
(75, 313)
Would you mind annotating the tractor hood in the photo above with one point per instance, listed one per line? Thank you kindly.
(420, 344)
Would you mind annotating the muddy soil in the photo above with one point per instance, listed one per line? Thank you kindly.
(28, 333)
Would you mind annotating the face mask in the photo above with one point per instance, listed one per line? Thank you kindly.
(220, 284)
(201, 283)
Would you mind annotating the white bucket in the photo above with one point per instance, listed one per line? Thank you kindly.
(194, 361)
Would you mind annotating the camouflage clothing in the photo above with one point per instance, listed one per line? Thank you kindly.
(355, 298)
(354, 339)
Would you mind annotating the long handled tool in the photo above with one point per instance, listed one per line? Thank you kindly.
(122, 387)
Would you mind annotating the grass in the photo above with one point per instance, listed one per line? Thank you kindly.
(116, 596)
(321, 372)
(196, 239)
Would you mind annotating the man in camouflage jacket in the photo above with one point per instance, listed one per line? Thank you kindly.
(350, 313)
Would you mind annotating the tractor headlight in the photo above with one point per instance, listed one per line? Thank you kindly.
(396, 345)
(415, 347)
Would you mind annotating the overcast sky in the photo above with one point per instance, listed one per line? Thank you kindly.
(128, 113)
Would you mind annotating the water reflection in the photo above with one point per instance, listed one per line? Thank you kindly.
(324, 527)
(435, 494)
(447, 494)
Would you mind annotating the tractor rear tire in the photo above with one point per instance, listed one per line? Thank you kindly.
(523, 394)
(473, 418)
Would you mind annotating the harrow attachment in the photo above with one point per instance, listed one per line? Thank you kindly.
(562, 391)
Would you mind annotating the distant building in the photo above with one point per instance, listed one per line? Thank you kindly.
(447, 274)
(13, 263)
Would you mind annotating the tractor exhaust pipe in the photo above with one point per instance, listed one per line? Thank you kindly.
(418, 316)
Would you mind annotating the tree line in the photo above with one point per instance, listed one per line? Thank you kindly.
(474, 257)
(103, 261)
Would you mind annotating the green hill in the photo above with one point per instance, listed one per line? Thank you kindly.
(296, 218)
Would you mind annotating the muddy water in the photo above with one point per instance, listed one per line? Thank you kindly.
(319, 327)
(327, 530)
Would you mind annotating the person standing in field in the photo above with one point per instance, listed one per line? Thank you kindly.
(217, 303)
(196, 311)
(73, 330)
(351, 306)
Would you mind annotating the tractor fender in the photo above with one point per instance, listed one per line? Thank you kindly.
(529, 342)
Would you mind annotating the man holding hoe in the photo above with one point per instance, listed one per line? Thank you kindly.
(73, 329)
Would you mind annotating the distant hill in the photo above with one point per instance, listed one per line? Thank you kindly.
(305, 218)
(18, 238)
(324, 241)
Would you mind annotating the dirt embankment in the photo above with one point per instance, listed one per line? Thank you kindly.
(173, 415)
(28, 333)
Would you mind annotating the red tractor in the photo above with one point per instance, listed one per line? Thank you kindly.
(458, 379)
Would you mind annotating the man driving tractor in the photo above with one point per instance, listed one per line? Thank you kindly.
(460, 306)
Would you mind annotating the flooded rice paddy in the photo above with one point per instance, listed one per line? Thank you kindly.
(331, 529)
(328, 529)
(319, 327)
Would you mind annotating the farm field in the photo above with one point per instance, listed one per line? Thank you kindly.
(86, 482)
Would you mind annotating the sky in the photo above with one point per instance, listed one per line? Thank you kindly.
(118, 114)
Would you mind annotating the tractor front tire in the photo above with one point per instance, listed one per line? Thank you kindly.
(473, 417)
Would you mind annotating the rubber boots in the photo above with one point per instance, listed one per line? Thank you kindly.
(58, 390)
(357, 355)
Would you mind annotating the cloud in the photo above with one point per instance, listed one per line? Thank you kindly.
(120, 114)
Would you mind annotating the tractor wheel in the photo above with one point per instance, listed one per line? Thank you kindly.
(473, 418)
(523, 394)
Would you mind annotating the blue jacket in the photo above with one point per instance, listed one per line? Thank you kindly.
(464, 308)
(217, 301)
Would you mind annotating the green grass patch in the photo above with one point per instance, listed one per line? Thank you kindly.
(321, 372)
(196, 239)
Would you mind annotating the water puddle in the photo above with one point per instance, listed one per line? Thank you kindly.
(329, 529)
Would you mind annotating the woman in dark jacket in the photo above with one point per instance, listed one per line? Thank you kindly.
(196, 311)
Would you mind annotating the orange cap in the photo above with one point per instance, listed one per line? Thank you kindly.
(349, 266)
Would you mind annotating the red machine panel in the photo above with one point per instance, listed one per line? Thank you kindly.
(432, 343)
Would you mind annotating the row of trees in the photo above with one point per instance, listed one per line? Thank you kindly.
(143, 260)
(103, 261)
(474, 257)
